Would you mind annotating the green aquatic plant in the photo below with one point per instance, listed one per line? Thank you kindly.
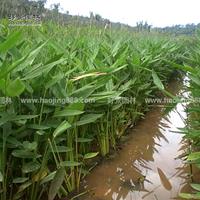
(68, 96)
(191, 132)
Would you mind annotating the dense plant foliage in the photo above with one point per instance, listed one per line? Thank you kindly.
(103, 77)
(192, 131)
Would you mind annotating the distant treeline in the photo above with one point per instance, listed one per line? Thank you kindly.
(187, 29)
(19, 8)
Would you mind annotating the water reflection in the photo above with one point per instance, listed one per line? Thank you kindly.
(149, 166)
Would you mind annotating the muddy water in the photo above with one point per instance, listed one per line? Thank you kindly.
(152, 150)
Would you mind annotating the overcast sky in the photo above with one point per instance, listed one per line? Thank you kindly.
(155, 12)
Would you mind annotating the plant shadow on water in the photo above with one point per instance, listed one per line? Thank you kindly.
(150, 165)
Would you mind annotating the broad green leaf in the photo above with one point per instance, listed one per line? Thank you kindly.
(48, 178)
(157, 80)
(4, 72)
(24, 186)
(24, 154)
(190, 196)
(69, 164)
(89, 118)
(15, 88)
(13, 142)
(116, 69)
(38, 127)
(67, 112)
(90, 155)
(195, 186)
(10, 42)
(56, 183)
(194, 156)
(54, 80)
(20, 180)
(30, 146)
(12, 117)
(76, 106)
(116, 107)
(61, 128)
(44, 69)
(83, 92)
(30, 57)
(115, 49)
(30, 167)
(186, 196)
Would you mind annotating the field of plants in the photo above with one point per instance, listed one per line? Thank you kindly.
(191, 132)
(68, 94)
